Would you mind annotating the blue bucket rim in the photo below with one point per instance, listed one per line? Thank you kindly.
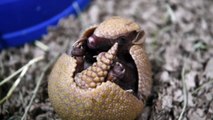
(10, 37)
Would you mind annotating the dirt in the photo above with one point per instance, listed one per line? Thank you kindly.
(179, 44)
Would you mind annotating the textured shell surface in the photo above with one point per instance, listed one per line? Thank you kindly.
(115, 27)
(96, 74)
(107, 100)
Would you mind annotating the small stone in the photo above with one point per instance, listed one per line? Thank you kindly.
(178, 95)
(209, 69)
(165, 76)
(190, 79)
(167, 102)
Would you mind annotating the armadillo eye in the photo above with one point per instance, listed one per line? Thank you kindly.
(91, 42)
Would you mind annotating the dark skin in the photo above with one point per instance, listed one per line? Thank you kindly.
(78, 53)
(123, 72)
(123, 75)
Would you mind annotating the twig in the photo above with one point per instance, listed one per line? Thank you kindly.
(171, 13)
(36, 89)
(41, 45)
(184, 93)
(15, 84)
(31, 62)
(41, 78)
(23, 71)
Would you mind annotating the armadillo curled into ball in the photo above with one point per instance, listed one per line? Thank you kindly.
(106, 76)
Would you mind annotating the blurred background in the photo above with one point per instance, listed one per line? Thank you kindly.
(179, 44)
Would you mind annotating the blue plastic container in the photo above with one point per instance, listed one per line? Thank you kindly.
(23, 21)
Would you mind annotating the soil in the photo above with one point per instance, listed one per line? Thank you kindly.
(179, 44)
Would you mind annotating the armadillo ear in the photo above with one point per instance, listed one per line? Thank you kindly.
(88, 32)
(140, 38)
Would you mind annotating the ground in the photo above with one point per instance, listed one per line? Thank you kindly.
(179, 44)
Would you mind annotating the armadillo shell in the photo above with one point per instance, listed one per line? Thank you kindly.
(105, 102)
(144, 70)
(106, 29)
